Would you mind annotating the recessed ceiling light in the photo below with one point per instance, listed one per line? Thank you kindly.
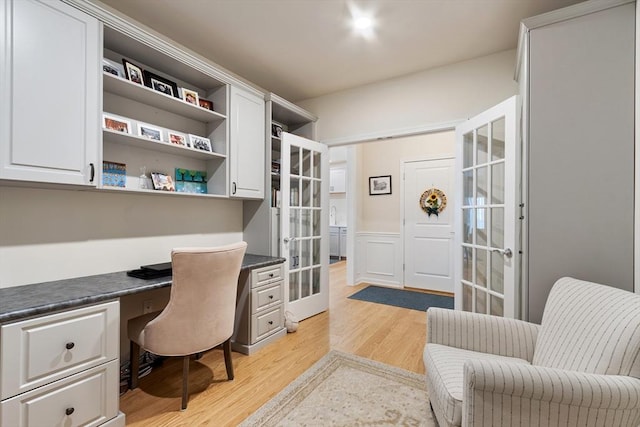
(363, 23)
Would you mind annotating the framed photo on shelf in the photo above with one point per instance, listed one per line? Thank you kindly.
(191, 181)
(379, 185)
(112, 67)
(148, 131)
(205, 103)
(190, 96)
(178, 139)
(200, 143)
(132, 72)
(162, 181)
(160, 84)
(116, 123)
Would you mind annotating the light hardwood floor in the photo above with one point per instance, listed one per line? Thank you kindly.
(392, 335)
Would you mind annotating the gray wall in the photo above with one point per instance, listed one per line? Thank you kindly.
(581, 152)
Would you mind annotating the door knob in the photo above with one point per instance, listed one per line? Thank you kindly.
(287, 240)
(506, 252)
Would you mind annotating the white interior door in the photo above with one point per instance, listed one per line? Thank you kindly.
(305, 224)
(487, 274)
(429, 209)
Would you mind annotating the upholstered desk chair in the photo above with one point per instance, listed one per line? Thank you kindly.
(200, 313)
(580, 367)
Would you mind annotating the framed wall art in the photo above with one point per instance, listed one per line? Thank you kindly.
(379, 185)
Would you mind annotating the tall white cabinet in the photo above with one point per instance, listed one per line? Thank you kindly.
(576, 74)
(49, 93)
(247, 153)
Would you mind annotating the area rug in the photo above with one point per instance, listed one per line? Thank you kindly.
(403, 298)
(346, 390)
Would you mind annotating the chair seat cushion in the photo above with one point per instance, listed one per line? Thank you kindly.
(135, 327)
(444, 365)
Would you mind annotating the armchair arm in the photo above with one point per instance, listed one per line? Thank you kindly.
(498, 393)
(481, 332)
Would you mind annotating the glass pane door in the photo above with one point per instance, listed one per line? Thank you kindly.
(487, 275)
(305, 225)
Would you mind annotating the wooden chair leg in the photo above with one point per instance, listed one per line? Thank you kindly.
(134, 364)
(227, 358)
(185, 382)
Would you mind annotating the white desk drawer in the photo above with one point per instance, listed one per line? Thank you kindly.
(88, 398)
(264, 324)
(266, 297)
(38, 351)
(264, 275)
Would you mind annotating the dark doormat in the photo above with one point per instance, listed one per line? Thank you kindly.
(402, 298)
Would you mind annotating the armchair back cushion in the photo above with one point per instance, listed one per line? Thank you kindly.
(592, 328)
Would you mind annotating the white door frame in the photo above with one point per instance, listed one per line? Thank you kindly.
(403, 164)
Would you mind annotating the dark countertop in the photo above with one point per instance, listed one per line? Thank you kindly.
(40, 298)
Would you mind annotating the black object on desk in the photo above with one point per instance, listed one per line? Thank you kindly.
(152, 271)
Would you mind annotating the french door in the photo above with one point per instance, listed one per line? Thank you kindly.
(487, 274)
(305, 224)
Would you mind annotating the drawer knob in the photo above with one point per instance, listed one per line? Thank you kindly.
(69, 411)
(70, 345)
(270, 296)
(270, 274)
(271, 322)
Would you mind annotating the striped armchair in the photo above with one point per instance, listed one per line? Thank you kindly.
(580, 367)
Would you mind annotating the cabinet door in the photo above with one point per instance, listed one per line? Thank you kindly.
(247, 124)
(334, 243)
(343, 242)
(49, 93)
(337, 179)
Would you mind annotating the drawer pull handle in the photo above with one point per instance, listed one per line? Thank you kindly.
(271, 322)
(69, 346)
(69, 411)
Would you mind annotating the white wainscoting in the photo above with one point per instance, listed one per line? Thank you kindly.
(379, 259)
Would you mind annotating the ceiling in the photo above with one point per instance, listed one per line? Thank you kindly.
(302, 49)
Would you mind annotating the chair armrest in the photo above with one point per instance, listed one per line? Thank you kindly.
(481, 332)
(498, 393)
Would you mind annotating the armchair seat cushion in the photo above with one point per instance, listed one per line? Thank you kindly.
(444, 366)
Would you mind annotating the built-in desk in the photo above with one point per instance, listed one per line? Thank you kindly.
(59, 342)
(24, 301)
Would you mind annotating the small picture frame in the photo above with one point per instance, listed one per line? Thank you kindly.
(190, 96)
(112, 67)
(160, 84)
(379, 185)
(151, 132)
(200, 143)
(132, 72)
(178, 139)
(116, 123)
(205, 103)
(162, 181)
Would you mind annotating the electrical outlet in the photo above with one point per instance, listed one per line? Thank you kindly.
(147, 306)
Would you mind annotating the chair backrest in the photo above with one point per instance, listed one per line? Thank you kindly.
(591, 328)
(201, 309)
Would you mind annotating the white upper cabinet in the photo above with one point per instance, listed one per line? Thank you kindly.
(49, 93)
(337, 180)
(247, 147)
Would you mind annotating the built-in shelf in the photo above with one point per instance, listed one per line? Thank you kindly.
(160, 193)
(125, 88)
(166, 147)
